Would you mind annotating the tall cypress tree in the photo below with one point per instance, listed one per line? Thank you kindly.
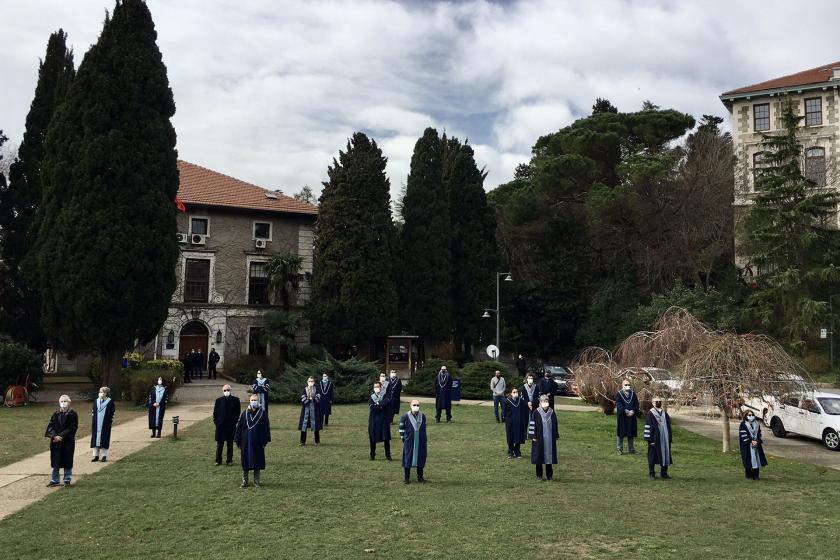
(106, 247)
(19, 300)
(789, 236)
(426, 245)
(473, 256)
(354, 295)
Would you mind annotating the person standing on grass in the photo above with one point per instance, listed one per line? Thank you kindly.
(547, 386)
(158, 397)
(658, 436)
(102, 419)
(394, 391)
(379, 429)
(626, 412)
(62, 433)
(516, 423)
(260, 388)
(752, 450)
(443, 394)
(531, 392)
(413, 436)
(212, 359)
(544, 434)
(497, 391)
(326, 389)
(310, 412)
(252, 435)
(225, 415)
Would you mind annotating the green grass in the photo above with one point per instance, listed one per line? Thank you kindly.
(332, 502)
(22, 429)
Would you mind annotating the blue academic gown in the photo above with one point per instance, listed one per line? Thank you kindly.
(394, 392)
(656, 455)
(100, 434)
(443, 392)
(534, 399)
(745, 442)
(536, 432)
(379, 429)
(626, 426)
(516, 420)
(326, 397)
(414, 442)
(155, 418)
(262, 392)
(252, 435)
(315, 420)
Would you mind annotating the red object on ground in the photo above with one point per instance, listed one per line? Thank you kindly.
(16, 395)
(179, 204)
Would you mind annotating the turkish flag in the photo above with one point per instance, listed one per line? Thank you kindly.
(179, 204)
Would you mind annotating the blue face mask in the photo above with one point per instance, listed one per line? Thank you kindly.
(255, 405)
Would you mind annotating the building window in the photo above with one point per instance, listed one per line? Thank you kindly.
(198, 226)
(197, 280)
(761, 117)
(759, 166)
(262, 230)
(258, 283)
(813, 111)
(257, 343)
(815, 165)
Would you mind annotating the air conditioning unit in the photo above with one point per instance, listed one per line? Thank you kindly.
(183, 238)
(260, 243)
(198, 239)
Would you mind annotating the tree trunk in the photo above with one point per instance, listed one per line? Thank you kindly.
(112, 372)
(724, 418)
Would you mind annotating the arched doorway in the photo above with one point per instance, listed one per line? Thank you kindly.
(194, 334)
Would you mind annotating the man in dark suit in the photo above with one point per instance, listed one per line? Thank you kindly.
(225, 416)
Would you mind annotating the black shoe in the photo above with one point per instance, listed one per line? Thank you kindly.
(406, 481)
(449, 420)
(666, 476)
(67, 484)
(95, 460)
(421, 480)
(104, 459)
(632, 452)
(652, 475)
(549, 479)
(388, 458)
(510, 455)
(217, 464)
(437, 420)
(497, 420)
(373, 457)
(52, 484)
(228, 464)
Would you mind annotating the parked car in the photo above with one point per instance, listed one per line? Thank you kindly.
(814, 415)
(562, 378)
(662, 378)
(761, 405)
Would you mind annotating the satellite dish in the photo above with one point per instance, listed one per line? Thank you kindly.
(493, 351)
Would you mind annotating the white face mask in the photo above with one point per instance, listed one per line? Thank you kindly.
(750, 418)
(64, 404)
(376, 390)
(310, 383)
(102, 396)
(544, 405)
(227, 393)
(382, 378)
(530, 381)
(393, 374)
(255, 404)
(626, 387)
(514, 395)
(160, 381)
(325, 378)
(415, 408)
(259, 376)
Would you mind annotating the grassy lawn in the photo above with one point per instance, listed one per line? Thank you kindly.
(332, 502)
(22, 429)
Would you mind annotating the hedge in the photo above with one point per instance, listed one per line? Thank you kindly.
(422, 383)
(475, 379)
(16, 362)
(353, 380)
(139, 381)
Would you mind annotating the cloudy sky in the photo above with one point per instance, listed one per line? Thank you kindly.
(268, 91)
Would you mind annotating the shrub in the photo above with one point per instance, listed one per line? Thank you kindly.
(475, 379)
(244, 369)
(306, 353)
(17, 362)
(422, 383)
(137, 382)
(95, 370)
(135, 360)
(353, 380)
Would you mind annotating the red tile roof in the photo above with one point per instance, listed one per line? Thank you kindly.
(203, 186)
(818, 75)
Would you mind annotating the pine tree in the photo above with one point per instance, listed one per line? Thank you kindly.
(426, 245)
(106, 248)
(354, 296)
(790, 238)
(473, 255)
(19, 300)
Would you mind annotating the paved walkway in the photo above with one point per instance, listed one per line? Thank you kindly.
(24, 482)
(474, 402)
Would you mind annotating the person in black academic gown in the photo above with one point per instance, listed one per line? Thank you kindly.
(212, 359)
(544, 435)
(102, 420)
(326, 389)
(752, 450)
(547, 386)
(517, 418)
(443, 394)
(394, 393)
(415, 441)
(379, 429)
(62, 433)
(158, 397)
(198, 366)
(225, 415)
(658, 435)
(252, 435)
(310, 412)
(531, 393)
(626, 413)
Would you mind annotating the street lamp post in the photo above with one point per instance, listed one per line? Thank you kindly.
(497, 311)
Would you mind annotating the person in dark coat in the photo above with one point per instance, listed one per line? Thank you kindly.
(212, 359)
(326, 389)
(252, 435)
(310, 412)
(198, 365)
(187, 361)
(62, 433)
(260, 388)
(379, 429)
(626, 414)
(531, 393)
(547, 386)
(752, 450)
(658, 436)
(225, 415)
(544, 434)
(415, 442)
(394, 393)
(158, 397)
(102, 416)
(443, 394)
(521, 365)
(517, 417)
